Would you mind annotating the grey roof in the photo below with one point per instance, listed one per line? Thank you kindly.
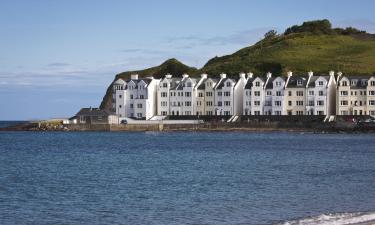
(314, 78)
(146, 80)
(249, 83)
(361, 81)
(181, 84)
(94, 112)
(220, 85)
(202, 85)
(293, 82)
(269, 84)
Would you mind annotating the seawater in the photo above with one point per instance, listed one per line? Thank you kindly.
(184, 177)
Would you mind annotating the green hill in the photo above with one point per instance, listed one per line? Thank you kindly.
(314, 46)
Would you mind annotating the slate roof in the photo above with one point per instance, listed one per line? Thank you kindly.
(293, 82)
(220, 85)
(249, 83)
(269, 84)
(202, 85)
(314, 78)
(180, 85)
(94, 112)
(361, 81)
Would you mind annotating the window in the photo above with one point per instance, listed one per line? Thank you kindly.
(209, 94)
(311, 92)
(257, 103)
(321, 93)
(277, 103)
(269, 93)
(120, 96)
(229, 84)
(227, 93)
(188, 84)
(289, 93)
(200, 94)
(299, 113)
(248, 93)
(299, 103)
(227, 103)
(164, 94)
(299, 82)
(141, 96)
(187, 103)
(164, 103)
(257, 93)
(209, 113)
(219, 93)
(278, 113)
(163, 113)
(131, 96)
(372, 83)
(188, 113)
(344, 93)
(311, 103)
(209, 103)
(278, 83)
(165, 85)
(289, 103)
(131, 106)
(344, 83)
(268, 103)
(343, 102)
(320, 83)
(299, 93)
(257, 113)
(139, 106)
(187, 94)
(371, 102)
(257, 84)
(278, 93)
(120, 106)
(371, 93)
(320, 103)
(219, 103)
(139, 115)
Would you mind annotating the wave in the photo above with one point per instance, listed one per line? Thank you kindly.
(359, 218)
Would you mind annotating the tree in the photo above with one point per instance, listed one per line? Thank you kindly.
(270, 34)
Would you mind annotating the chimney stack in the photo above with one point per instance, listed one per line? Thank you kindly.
(134, 76)
(223, 75)
(332, 73)
(250, 75)
(204, 76)
(290, 73)
(185, 75)
(242, 75)
(269, 75)
(168, 76)
(310, 73)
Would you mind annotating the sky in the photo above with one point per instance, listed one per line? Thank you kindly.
(59, 56)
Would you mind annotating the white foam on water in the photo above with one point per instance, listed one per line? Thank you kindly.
(334, 219)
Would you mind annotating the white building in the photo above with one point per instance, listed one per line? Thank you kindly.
(224, 96)
(371, 96)
(254, 96)
(274, 97)
(163, 94)
(209, 95)
(199, 91)
(295, 95)
(182, 97)
(137, 98)
(351, 95)
(321, 95)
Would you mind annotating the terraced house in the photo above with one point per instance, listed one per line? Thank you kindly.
(254, 96)
(352, 95)
(182, 97)
(321, 95)
(295, 94)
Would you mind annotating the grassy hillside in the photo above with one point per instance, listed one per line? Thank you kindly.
(311, 46)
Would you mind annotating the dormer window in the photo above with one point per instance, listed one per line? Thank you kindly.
(257, 84)
(320, 83)
(372, 83)
(229, 84)
(344, 83)
(188, 84)
(165, 85)
(354, 82)
(299, 82)
(278, 83)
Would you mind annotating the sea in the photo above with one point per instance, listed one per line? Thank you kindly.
(186, 178)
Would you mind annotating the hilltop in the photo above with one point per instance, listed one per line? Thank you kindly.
(314, 45)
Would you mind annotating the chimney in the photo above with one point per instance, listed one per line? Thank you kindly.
(185, 75)
(203, 76)
(290, 73)
(310, 73)
(269, 75)
(250, 75)
(168, 76)
(242, 75)
(332, 73)
(223, 75)
(134, 76)
(339, 74)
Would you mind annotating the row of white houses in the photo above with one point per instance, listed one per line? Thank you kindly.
(248, 95)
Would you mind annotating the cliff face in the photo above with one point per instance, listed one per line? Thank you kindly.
(311, 46)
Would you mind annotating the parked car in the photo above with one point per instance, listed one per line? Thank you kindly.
(124, 122)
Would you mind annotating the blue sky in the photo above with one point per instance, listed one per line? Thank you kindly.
(58, 56)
